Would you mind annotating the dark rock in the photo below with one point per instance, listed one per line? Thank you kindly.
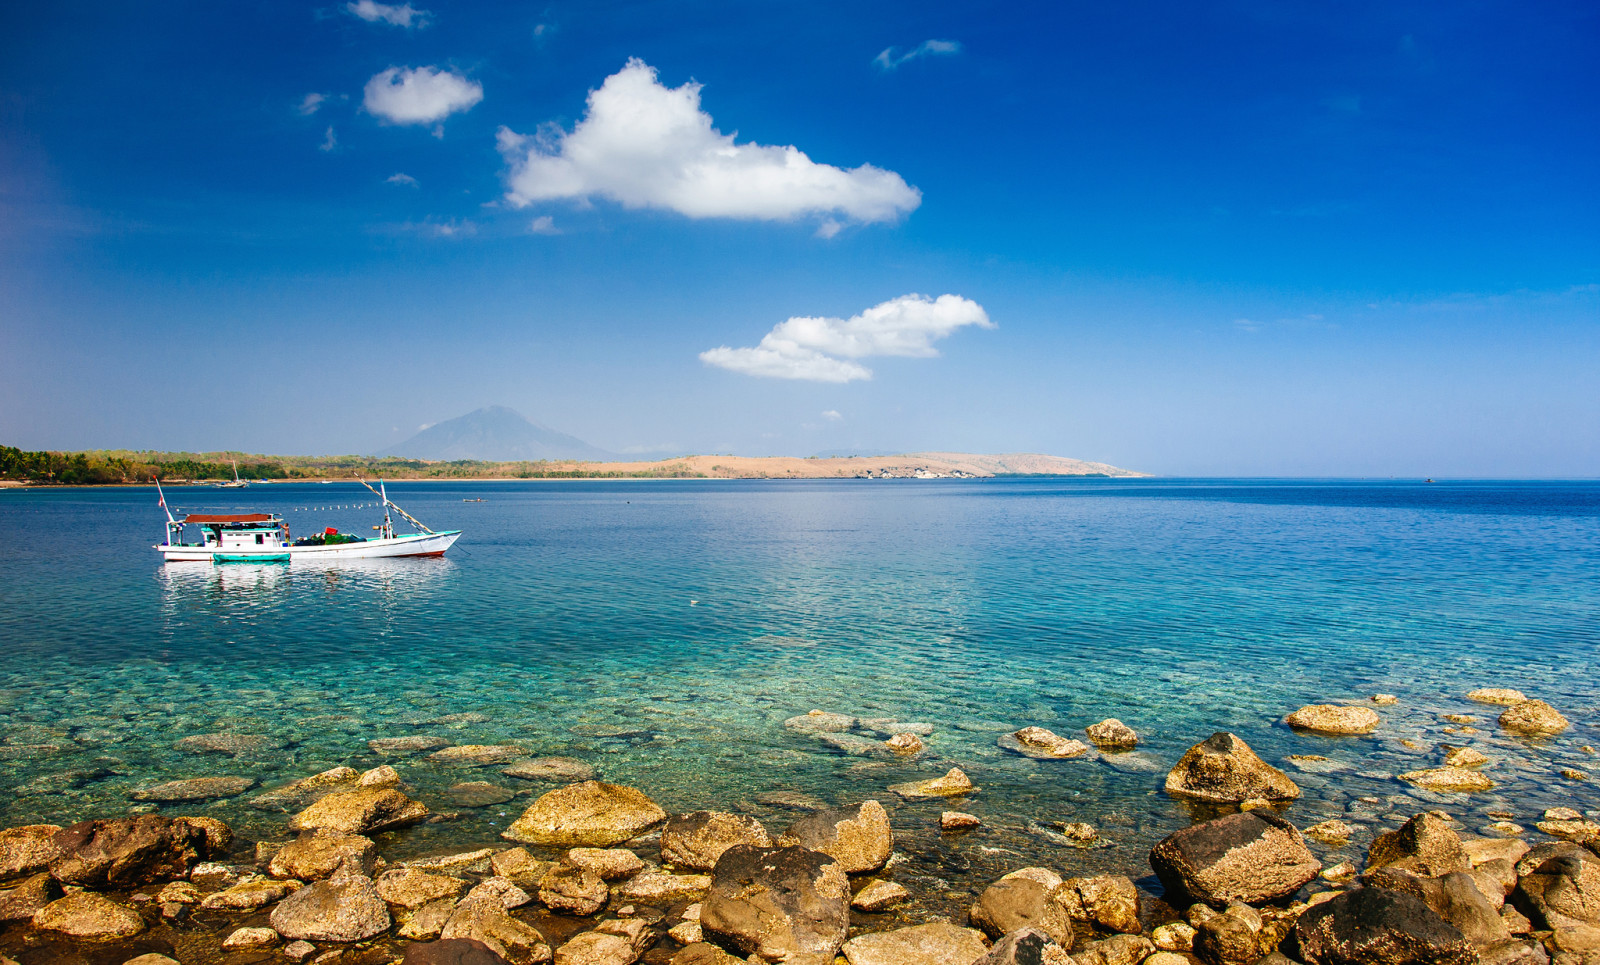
(1116, 950)
(1016, 902)
(1375, 926)
(1562, 890)
(1253, 856)
(783, 904)
(1223, 768)
(124, 852)
(452, 951)
(1109, 902)
(1424, 845)
(1237, 936)
(26, 898)
(858, 838)
(1026, 946)
(1454, 897)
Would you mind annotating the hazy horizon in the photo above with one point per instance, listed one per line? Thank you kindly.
(1242, 241)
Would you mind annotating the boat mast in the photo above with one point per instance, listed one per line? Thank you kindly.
(172, 524)
(388, 524)
(387, 503)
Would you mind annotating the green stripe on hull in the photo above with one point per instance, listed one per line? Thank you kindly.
(250, 558)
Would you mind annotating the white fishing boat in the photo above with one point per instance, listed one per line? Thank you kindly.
(237, 482)
(265, 538)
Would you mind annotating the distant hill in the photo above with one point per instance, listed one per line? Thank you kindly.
(495, 434)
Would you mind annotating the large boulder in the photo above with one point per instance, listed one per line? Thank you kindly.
(1237, 936)
(779, 904)
(1334, 719)
(486, 920)
(1455, 897)
(1252, 856)
(591, 813)
(858, 838)
(1376, 926)
(1021, 900)
(88, 916)
(124, 852)
(1424, 845)
(1535, 718)
(1026, 946)
(344, 908)
(360, 810)
(696, 840)
(1109, 902)
(1562, 889)
(1223, 768)
(28, 850)
(320, 853)
(939, 943)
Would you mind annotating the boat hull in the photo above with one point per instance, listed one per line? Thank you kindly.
(418, 544)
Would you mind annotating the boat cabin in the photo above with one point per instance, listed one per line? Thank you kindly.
(240, 531)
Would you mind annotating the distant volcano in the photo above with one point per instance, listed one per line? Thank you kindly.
(495, 434)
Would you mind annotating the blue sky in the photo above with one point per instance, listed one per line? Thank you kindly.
(1236, 238)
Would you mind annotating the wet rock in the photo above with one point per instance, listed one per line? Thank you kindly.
(1252, 856)
(27, 850)
(858, 838)
(400, 746)
(1534, 718)
(1481, 850)
(696, 840)
(1515, 921)
(1449, 779)
(1454, 897)
(573, 891)
(686, 932)
(1385, 700)
(615, 942)
(246, 896)
(427, 921)
(820, 722)
(1495, 879)
(1463, 757)
(361, 810)
(953, 784)
(149, 958)
(1577, 830)
(381, 776)
(1424, 845)
(1375, 926)
(550, 769)
(86, 915)
(1109, 902)
(878, 895)
(522, 867)
(455, 863)
(408, 888)
(194, 789)
(1223, 768)
(904, 744)
(478, 755)
(1497, 695)
(1040, 743)
(486, 921)
(1116, 950)
(591, 813)
(247, 938)
(853, 744)
(124, 852)
(1237, 936)
(25, 899)
(503, 890)
(1027, 946)
(704, 953)
(233, 745)
(1176, 936)
(344, 908)
(1334, 834)
(477, 794)
(659, 888)
(1334, 719)
(297, 794)
(789, 800)
(1024, 900)
(782, 904)
(320, 853)
(182, 892)
(958, 821)
(611, 864)
(1561, 890)
(1514, 952)
(939, 943)
(452, 951)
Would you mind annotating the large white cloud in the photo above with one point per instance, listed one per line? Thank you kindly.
(822, 349)
(419, 95)
(400, 16)
(646, 145)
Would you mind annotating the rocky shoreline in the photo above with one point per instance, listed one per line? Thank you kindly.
(595, 873)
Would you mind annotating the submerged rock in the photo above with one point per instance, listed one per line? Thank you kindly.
(246, 938)
(124, 852)
(1334, 834)
(1223, 768)
(1458, 780)
(591, 813)
(1043, 744)
(820, 722)
(1497, 695)
(939, 943)
(246, 895)
(396, 746)
(478, 755)
(194, 789)
(781, 904)
(1253, 856)
(1534, 718)
(878, 895)
(696, 840)
(953, 784)
(478, 794)
(232, 745)
(360, 810)
(297, 794)
(86, 915)
(1112, 734)
(550, 769)
(858, 838)
(1334, 719)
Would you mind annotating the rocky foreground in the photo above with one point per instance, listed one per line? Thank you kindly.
(599, 874)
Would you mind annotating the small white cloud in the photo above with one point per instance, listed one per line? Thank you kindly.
(891, 58)
(832, 415)
(419, 95)
(544, 225)
(400, 16)
(425, 427)
(828, 229)
(399, 178)
(645, 145)
(821, 349)
(311, 103)
(329, 142)
(433, 228)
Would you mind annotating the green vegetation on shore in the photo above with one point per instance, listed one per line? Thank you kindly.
(117, 466)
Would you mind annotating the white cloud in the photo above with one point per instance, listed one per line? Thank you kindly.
(420, 96)
(544, 225)
(832, 415)
(311, 103)
(402, 16)
(821, 349)
(399, 178)
(890, 59)
(645, 145)
(329, 142)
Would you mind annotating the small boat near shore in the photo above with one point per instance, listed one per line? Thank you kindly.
(265, 538)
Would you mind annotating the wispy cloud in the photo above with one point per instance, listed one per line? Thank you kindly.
(645, 145)
(891, 58)
(832, 415)
(404, 15)
(311, 103)
(329, 141)
(823, 349)
(401, 179)
(420, 95)
(433, 228)
(544, 225)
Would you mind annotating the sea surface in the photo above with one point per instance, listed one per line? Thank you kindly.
(664, 631)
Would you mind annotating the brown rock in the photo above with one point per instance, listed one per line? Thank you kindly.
(1425, 845)
(25, 899)
(361, 810)
(1454, 897)
(958, 821)
(426, 922)
(953, 784)
(696, 840)
(1112, 734)
(488, 922)
(246, 938)
(590, 813)
(781, 904)
(1109, 902)
(1020, 901)
(394, 746)
(409, 888)
(939, 943)
(1116, 950)
(27, 850)
(1030, 946)
(478, 755)
(1252, 856)
(659, 888)
(1334, 719)
(320, 853)
(704, 953)
(1497, 695)
(573, 891)
(451, 951)
(1534, 718)
(1040, 743)
(612, 864)
(550, 769)
(1224, 768)
(1376, 926)
(503, 890)
(344, 908)
(904, 744)
(878, 895)
(125, 852)
(246, 896)
(858, 838)
(523, 868)
(88, 916)
(1561, 890)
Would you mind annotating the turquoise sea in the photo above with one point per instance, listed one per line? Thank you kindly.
(662, 631)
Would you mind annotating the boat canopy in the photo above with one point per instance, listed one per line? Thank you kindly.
(225, 518)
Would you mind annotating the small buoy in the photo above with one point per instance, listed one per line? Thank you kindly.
(694, 602)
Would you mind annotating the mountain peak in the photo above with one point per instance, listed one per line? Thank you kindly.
(494, 433)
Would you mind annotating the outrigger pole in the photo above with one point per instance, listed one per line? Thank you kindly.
(386, 504)
(172, 524)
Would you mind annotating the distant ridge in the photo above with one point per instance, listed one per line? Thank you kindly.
(495, 434)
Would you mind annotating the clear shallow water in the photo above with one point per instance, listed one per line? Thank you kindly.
(663, 631)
